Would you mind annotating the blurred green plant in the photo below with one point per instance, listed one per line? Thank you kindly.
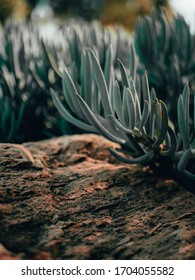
(19, 110)
(166, 49)
(26, 111)
(67, 53)
(29, 66)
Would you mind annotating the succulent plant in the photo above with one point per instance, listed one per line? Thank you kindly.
(73, 38)
(29, 66)
(99, 85)
(68, 52)
(19, 45)
(166, 49)
(127, 112)
(21, 50)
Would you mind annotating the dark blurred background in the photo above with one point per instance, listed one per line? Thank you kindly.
(122, 12)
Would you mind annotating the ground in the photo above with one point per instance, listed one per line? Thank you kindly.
(67, 198)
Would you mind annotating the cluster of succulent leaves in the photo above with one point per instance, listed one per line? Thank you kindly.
(73, 38)
(167, 51)
(135, 109)
(17, 46)
(29, 66)
(26, 111)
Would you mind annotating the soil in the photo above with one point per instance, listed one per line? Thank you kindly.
(68, 198)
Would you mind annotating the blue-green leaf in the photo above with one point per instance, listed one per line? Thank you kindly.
(101, 83)
(184, 160)
(124, 76)
(67, 115)
(108, 67)
(164, 125)
(117, 101)
(182, 123)
(142, 159)
(96, 124)
(145, 115)
(173, 144)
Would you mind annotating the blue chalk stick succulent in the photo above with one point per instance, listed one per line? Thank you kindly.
(122, 108)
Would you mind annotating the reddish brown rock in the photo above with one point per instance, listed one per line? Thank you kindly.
(67, 198)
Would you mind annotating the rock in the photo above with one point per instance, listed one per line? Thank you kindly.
(68, 198)
(6, 255)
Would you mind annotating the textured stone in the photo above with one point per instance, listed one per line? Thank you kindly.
(67, 198)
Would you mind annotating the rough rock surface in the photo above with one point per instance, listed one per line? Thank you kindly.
(67, 198)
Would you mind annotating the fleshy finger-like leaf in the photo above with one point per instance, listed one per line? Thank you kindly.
(182, 123)
(186, 102)
(67, 115)
(137, 101)
(96, 124)
(51, 59)
(145, 115)
(132, 63)
(124, 75)
(119, 125)
(145, 88)
(117, 101)
(173, 144)
(164, 125)
(101, 83)
(87, 79)
(108, 66)
(71, 94)
(142, 159)
(184, 160)
(130, 103)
